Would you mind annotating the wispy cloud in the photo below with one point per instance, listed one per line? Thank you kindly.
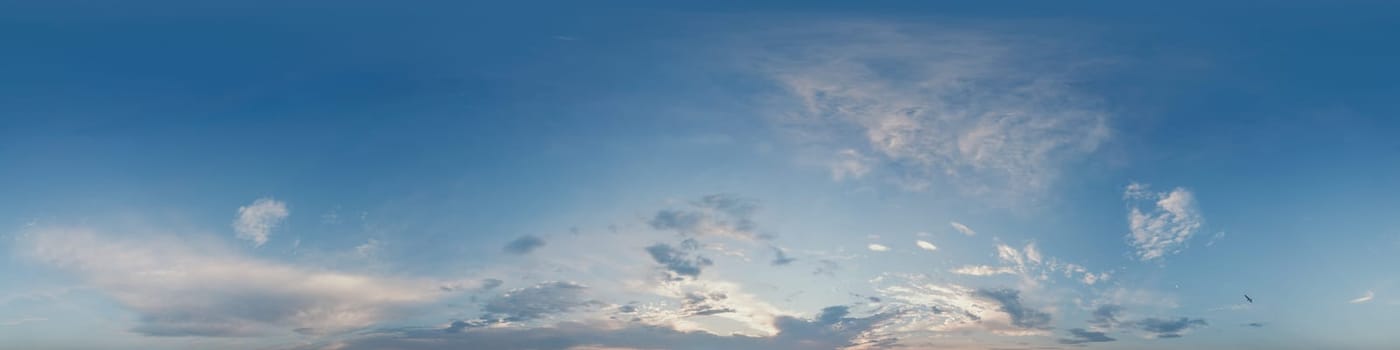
(1166, 226)
(925, 245)
(938, 106)
(876, 247)
(1364, 298)
(256, 221)
(983, 270)
(962, 228)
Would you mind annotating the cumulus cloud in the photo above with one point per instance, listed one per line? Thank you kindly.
(190, 288)
(1082, 336)
(963, 229)
(966, 108)
(679, 260)
(256, 221)
(1166, 226)
(925, 245)
(713, 215)
(523, 245)
(704, 304)
(1364, 298)
(876, 247)
(916, 304)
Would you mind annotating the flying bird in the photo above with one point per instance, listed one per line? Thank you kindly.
(1246, 297)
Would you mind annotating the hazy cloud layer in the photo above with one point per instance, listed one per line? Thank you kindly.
(185, 288)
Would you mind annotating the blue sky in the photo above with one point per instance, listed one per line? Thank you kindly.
(633, 175)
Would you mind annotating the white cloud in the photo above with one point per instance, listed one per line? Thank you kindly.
(925, 245)
(849, 164)
(1165, 228)
(876, 247)
(182, 287)
(1364, 298)
(256, 221)
(983, 270)
(939, 106)
(962, 228)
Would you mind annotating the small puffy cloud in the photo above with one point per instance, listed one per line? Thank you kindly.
(1021, 316)
(1082, 336)
(523, 245)
(713, 215)
(983, 270)
(1166, 226)
(1364, 298)
(256, 221)
(876, 247)
(925, 245)
(1167, 328)
(679, 260)
(181, 287)
(963, 229)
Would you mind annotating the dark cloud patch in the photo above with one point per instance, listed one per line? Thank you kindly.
(490, 283)
(1168, 328)
(1082, 336)
(832, 329)
(525, 304)
(702, 304)
(716, 214)
(1106, 315)
(524, 245)
(1021, 316)
(1255, 325)
(780, 258)
(826, 267)
(679, 261)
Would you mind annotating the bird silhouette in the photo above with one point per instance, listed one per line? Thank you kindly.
(1246, 297)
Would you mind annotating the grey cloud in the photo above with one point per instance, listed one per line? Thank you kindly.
(679, 261)
(780, 258)
(831, 330)
(535, 302)
(524, 245)
(700, 304)
(716, 214)
(1168, 328)
(1081, 336)
(1021, 316)
(490, 283)
(1106, 315)
(826, 267)
(1255, 324)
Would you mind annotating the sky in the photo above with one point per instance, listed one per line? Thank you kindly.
(699, 175)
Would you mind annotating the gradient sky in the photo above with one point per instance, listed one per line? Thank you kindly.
(706, 175)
